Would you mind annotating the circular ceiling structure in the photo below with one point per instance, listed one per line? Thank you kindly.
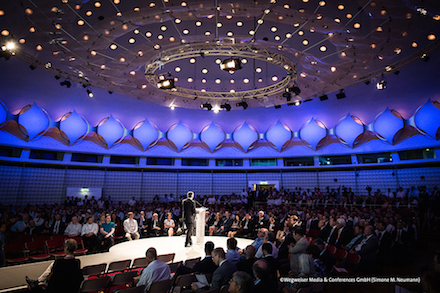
(290, 51)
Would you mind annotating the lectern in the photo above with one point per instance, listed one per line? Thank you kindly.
(200, 225)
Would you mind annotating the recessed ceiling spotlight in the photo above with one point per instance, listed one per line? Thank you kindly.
(132, 72)
(177, 20)
(321, 3)
(319, 16)
(232, 81)
(190, 79)
(32, 29)
(288, 35)
(160, 37)
(303, 74)
(136, 31)
(246, 80)
(172, 39)
(218, 61)
(230, 34)
(274, 78)
(219, 24)
(229, 16)
(116, 1)
(260, 21)
(258, 70)
(239, 23)
(122, 59)
(204, 70)
(97, 4)
(333, 68)
(267, 11)
(348, 15)
(198, 23)
(131, 40)
(203, 80)
(244, 60)
(343, 54)
(163, 28)
(252, 32)
(80, 22)
(323, 48)
(183, 4)
(113, 46)
(207, 33)
(273, 29)
(431, 37)
(148, 34)
(217, 81)
(337, 19)
(286, 6)
(88, 13)
(157, 46)
(136, 9)
(300, 33)
(277, 38)
(192, 60)
(152, 4)
(260, 80)
(341, 7)
(232, 91)
(414, 44)
(357, 25)
(185, 31)
(305, 42)
(103, 66)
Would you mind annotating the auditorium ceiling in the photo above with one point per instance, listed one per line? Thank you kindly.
(290, 51)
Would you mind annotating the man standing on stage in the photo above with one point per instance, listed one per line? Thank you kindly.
(188, 214)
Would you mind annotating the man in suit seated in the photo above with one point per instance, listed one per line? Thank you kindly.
(245, 265)
(367, 250)
(261, 221)
(156, 226)
(226, 224)
(273, 263)
(325, 256)
(247, 226)
(263, 282)
(205, 266)
(358, 236)
(385, 241)
(399, 244)
(221, 275)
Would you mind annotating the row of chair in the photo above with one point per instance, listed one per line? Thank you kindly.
(346, 263)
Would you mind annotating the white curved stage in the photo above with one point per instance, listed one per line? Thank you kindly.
(14, 276)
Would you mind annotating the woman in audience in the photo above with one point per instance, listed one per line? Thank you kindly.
(169, 225)
(215, 227)
(236, 225)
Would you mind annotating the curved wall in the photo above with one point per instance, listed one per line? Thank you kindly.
(396, 128)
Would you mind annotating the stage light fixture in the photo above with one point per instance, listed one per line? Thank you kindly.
(57, 77)
(166, 84)
(287, 95)
(340, 95)
(32, 67)
(230, 64)
(206, 106)
(296, 90)
(382, 84)
(89, 92)
(323, 97)
(67, 83)
(367, 82)
(226, 106)
(424, 57)
(277, 106)
(243, 104)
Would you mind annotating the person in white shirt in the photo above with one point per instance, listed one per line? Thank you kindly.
(131, 227)
(74, 228)
(156, 271)
(89, 232)
(401, 193)
(132, 202)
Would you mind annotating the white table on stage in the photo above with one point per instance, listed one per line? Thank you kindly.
(200, 225)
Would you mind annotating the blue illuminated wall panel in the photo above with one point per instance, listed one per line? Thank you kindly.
(305, 180)
(123, 185)
(85, 178)
(41, 185)
(200, 183)
(344, 178)
(10, 177)
(378, 179)
(227, 183)
(159, 183)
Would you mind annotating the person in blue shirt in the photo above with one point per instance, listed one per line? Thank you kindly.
(107, 234)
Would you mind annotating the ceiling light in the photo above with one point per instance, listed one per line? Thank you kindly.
(204, 70)
(323, 97)
(218, 61)
(190, 79)
(219, 24)
(192, 60)
(333, 68)
(323, 48)
(217, 81)
(242, 104)
(148, 34)
(113, 46)
(341, 7)
(258, 69)
(230, 64)
(288, 35)
(163, 28)
(340, 95)
(198, 23)
(239, 23)
(89, 92)
(67, 83)
(230, 34)
(305, 42)
(274, 78)
(160, 37)
(136, 31)
(382, 84)
(97, 4)
(206, 106)
(244, 60)
(277, 38)
(357, 25)
(273, 29)
(80, 22)
(349, 15)
(166, 84)
(431, 37)
(226, 106)
(246, 80)
(131, 40)
(424, 57)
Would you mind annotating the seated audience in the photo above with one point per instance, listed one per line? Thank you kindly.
(245, 264)
(324, 255)
(156, 226)
(63, 275)
(236, 226)
(232, 254)
(298, 248)
(205, 266)
(269, 238)
(74, 228)
(156, 271)
(240, 282)
(106, 234)
(367, 250)
(89, 233)
(131, 227)
(169, 225)
(263, 282)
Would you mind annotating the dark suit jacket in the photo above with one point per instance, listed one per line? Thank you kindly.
(260, 223)
(384, 244)
(324, 232)
(66, 276)
(223, 274)
(368, 252)
(246, 265)
(333, 234)
(283, 252)
(205, 266)
(159, 223)
(227, 223)
(61, 228)
(274, 265)
(403, 237)
(188, 209)
(344, 239)
(328, 260)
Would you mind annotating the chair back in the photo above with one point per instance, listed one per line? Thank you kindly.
(118, 266)
(331, 248)
(167, 258)
(174, 266)
(353, 258)
(191, 262)
(99, 284)
(94, 269)
(141, 262)
(139, 289)
(185, 280)
(124, 278)
(340, 254)
(161, 287)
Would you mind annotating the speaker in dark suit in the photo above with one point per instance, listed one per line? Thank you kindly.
(188, 214)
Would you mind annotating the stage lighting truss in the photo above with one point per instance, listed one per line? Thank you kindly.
(233, 51)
